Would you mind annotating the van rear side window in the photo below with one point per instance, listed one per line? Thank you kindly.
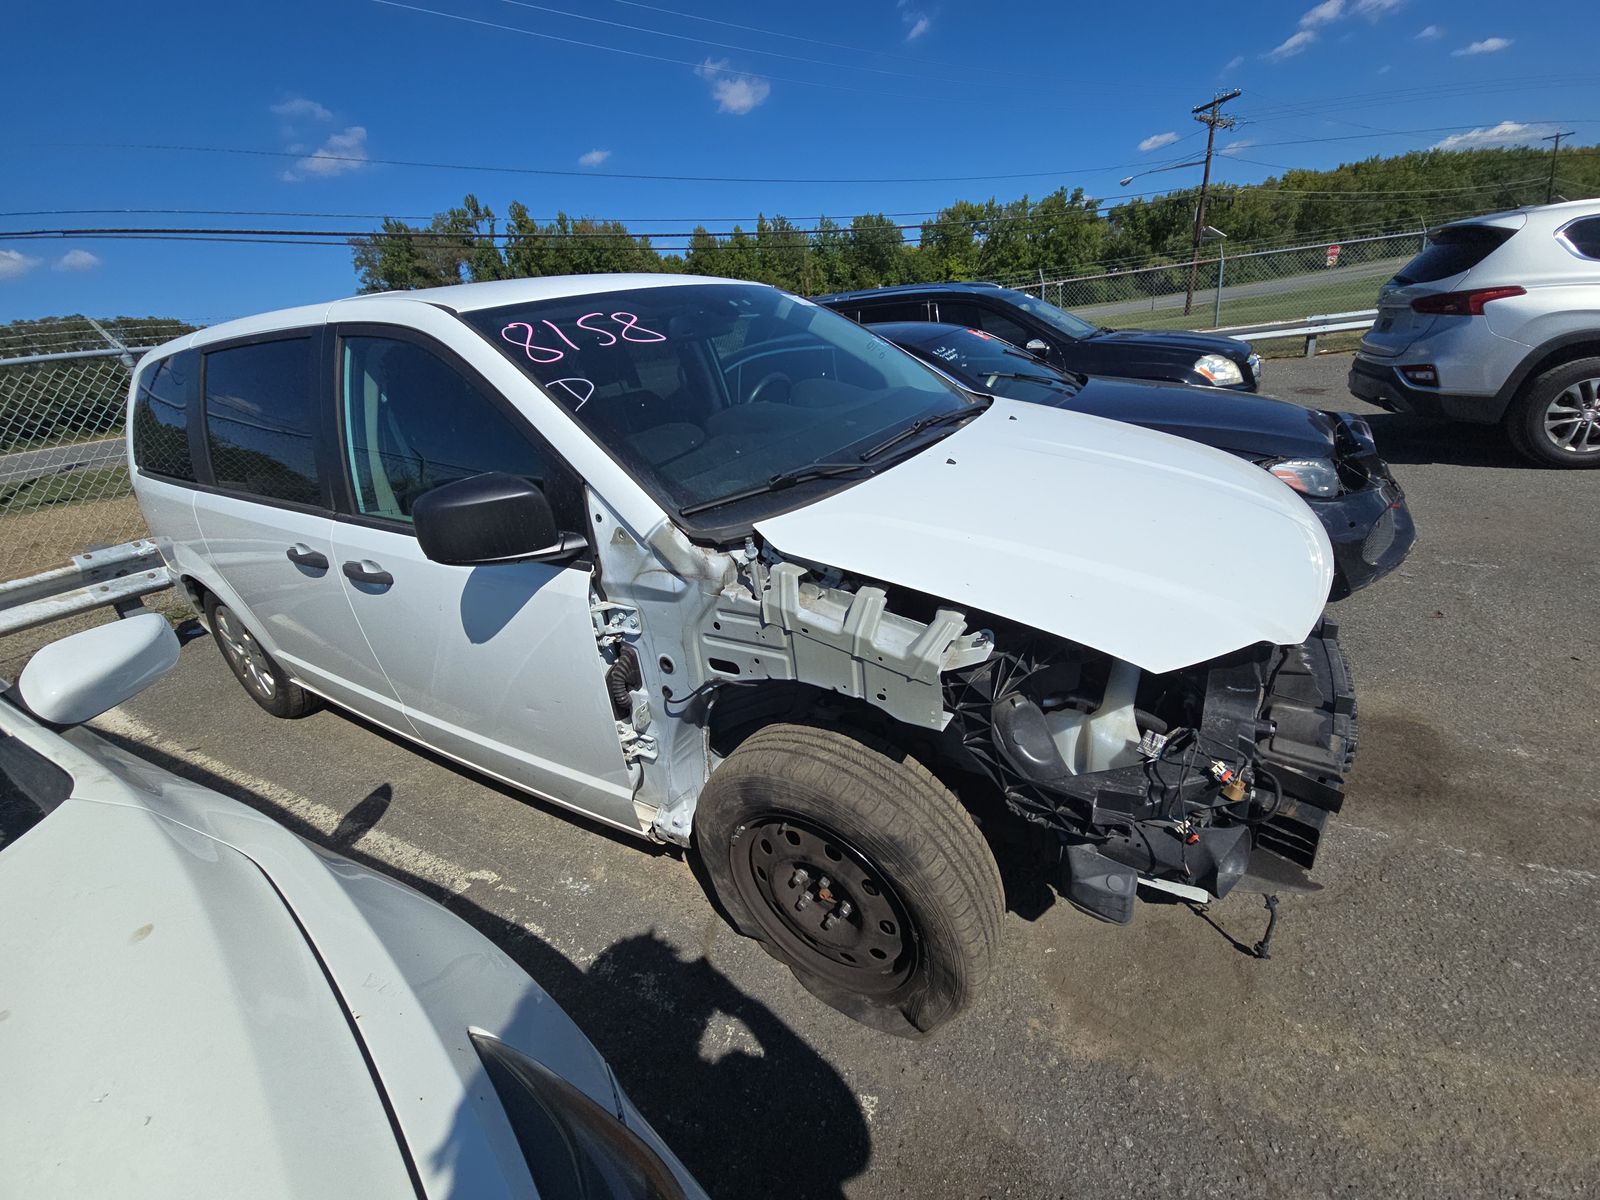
(260, 420)
(161, 417)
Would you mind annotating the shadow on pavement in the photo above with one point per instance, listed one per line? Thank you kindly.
(1412, 440)
(750, 1108)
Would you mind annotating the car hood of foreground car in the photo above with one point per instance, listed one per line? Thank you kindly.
(213, 1005)
(1150, 548)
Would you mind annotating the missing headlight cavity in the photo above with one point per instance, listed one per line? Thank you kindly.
(1193, 780)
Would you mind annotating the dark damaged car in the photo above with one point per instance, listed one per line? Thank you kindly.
(1330, 458)
(1060, 337)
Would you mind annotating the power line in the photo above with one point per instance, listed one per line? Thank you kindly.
(818, 62)
(703, 67)
(795, 37)
(552, 171)
(706, 220)
(505, 170)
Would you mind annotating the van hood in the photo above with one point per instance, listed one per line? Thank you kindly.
(1147, 547)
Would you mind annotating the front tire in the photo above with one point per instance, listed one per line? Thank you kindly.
(256, 670)
(1556, 420)
(857, 869)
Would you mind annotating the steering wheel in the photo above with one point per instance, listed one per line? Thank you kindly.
(774, 380)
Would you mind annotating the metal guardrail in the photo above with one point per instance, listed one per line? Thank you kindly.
(1310, 328)
(113, 576)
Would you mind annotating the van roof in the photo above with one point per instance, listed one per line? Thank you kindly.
(458, 298)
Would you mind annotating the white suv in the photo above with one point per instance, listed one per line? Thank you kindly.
(712, 564)
(1498, 320)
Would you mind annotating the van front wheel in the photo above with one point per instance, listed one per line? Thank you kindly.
(254, 668)
(857, 869)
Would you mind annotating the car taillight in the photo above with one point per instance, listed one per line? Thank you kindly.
(1463, 304)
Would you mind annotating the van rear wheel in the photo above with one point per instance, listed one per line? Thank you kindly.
(254, 668)
(857, 869)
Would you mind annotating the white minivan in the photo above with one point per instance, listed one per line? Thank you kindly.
(720, 567)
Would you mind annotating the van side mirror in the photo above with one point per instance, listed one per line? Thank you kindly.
(85, 674)
(1038, 347)
(492, 518)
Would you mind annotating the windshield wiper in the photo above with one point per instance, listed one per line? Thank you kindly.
(776, 483)
(1021, 375)
(917, 426)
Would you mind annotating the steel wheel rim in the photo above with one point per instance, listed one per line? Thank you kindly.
(246, 657)
(1572, 419)
(852, 929)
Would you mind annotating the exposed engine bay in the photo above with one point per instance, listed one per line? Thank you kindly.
(1189, 781)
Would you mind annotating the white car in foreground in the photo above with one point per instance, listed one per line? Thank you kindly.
(195, 1002)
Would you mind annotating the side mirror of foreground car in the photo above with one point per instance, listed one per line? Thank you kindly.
(492, 518)
(83, 675)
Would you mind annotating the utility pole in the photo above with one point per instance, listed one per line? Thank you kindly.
(1209, 115)
(1550, 188)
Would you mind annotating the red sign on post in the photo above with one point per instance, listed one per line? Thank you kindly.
(1333, 255)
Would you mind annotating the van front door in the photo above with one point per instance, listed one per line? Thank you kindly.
(497, 666)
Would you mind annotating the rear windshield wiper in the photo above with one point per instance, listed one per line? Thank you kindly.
(917, 426)
(783, 479)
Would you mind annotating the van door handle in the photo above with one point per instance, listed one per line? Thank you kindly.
(367, 571)
(302, 555)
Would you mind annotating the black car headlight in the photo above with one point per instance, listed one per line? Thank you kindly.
(575, 1149)
(1317, 477)
(1218, 371)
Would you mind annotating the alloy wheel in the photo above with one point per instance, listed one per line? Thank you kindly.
(245, 655)
(1572, 419)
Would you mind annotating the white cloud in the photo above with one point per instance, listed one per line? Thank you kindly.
(14, 264)
(917, 21)
(1291, 45)
(1328, 10)
(1430, 33)
(345, 151)
(299, 106)
(77, 260)
(1373, 9)
(1487, 46)
(1235, 147)
(1157, 140)
(1233, 64)
(734, 92)
(1507, 133)
(593, 158)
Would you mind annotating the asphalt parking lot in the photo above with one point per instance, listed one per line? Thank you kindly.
(1429, 1025)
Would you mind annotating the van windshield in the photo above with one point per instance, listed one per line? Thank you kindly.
(706, 391)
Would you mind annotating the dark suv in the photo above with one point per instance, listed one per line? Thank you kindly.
(1058, 337)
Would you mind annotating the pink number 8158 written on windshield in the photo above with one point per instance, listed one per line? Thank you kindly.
(626, 329)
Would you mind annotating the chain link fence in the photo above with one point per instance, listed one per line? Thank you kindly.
(1285, 284)
(64, 484)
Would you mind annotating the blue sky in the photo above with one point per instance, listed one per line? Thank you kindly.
(309, 99)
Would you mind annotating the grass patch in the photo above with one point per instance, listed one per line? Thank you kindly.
(1345, 296)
